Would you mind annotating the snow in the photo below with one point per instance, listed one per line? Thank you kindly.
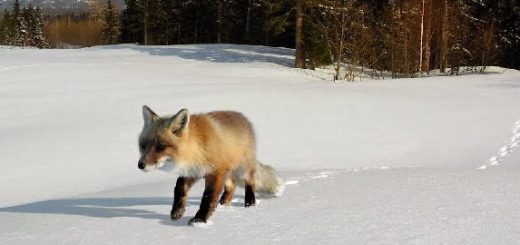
(385, 161)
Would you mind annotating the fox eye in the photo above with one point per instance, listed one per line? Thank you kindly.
(160, 147)
(142, 145)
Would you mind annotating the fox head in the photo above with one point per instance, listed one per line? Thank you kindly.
(159, 142)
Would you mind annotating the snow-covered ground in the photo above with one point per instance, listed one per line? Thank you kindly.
(430, 160)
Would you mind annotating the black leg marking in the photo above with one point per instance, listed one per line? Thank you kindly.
(180, 196)
(205, 206)
(250, 196)
(229, 190)
(214, 186)
(224, 197)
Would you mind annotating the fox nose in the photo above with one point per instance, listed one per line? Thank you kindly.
(140, 165)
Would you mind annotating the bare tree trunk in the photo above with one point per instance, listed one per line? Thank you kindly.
(146, 28)
(179, 32)
(392, 57)
(299, 59)
(248, 17)
(444, 48)
(267, 30)
(341, 44)
(179, 25)
(196, 29)
(427, 35)
(422, 38)
(489, 34)
(145, 32)
(26, 39)
(219, 21)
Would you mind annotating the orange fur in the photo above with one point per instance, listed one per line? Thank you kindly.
(221, 140)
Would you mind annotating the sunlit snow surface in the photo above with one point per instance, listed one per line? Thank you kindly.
(430, 160)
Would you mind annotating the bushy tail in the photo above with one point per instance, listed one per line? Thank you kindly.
(267, 180)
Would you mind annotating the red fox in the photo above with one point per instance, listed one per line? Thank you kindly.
(218, 146)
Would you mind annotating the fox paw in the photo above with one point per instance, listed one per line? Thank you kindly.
(224, 201)
(250, 203)
(196, 220)
(176, 214)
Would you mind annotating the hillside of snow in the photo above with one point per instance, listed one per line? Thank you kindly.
(430, 160)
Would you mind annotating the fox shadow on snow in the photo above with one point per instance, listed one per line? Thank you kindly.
(106, 208)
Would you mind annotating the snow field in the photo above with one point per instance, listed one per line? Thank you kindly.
(387, 161)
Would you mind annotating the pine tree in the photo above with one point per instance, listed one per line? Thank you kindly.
(170, 16)
(4, 19)
(152, 18)
(39, 39)
(250, 18)
(146, 11)
(277, 15)
(158, 21)
(29, 21)
(507, 15)
(131, 27)
(142, 8)
(111, 33)
(17, 26)
(153, 21)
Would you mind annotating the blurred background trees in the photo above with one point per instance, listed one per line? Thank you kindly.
(22, 26)
(400, 38)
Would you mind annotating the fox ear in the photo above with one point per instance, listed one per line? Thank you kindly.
(148, 115)
(179, 122)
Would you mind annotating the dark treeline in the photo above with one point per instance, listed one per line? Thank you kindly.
(265, 22)
(404, 38)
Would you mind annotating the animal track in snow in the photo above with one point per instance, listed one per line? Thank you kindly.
(6, 68)
(330, 173)
(203, 225)
(291, 182)
(369, 168)
(323, 174)
(504, 150)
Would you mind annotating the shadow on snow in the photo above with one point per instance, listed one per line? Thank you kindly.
(219, 53)
(105, 208)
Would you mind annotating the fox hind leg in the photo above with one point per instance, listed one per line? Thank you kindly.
(250, 199)
(229, 190)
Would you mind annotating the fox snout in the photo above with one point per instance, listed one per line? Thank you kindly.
(140, 165)
(144, 164)
(164, 163)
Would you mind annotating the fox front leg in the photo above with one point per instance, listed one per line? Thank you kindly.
(214, 185)
(180, 196)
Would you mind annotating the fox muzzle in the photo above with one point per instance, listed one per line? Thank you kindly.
(141, 165)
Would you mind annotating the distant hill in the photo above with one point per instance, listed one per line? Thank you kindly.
(56, 5)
